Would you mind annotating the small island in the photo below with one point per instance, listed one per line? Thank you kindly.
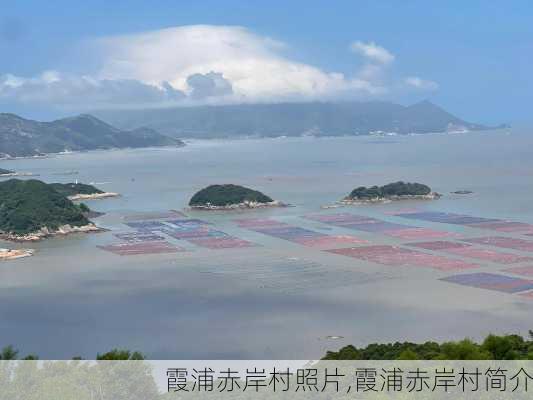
(13, 254)
(231, 197)
(390, 192)
(31, 210)
(6, 172)
(80, 191)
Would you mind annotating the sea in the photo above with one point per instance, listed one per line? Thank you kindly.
(278, 299)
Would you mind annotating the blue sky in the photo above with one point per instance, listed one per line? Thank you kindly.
(472, 57)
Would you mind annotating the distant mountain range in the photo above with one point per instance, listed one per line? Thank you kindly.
(292, 119)
(21, 137)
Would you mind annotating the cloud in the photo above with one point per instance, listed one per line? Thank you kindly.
(419, 83)
(373, 52)
(84, 91)
(208, 85)
(256, 66)
(201, 64)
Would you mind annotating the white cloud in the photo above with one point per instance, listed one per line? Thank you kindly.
(419, 83)
(77, 92)
(373, 52)
(256, 66)
(202, 64)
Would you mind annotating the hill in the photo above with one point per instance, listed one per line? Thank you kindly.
(31, 206)
(229, 196)
(293, 119)
(21, 137)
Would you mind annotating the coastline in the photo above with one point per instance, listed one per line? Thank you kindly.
(74, 152)
(46, 233)
(240, 206)
(93, 196)
(194, 140)
(15, 174)
(389, 199)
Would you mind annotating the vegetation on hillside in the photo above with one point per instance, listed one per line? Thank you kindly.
(21, 137)
(225, 195)
(389, 190)
(29, 205)
(506, 347)
(9, 353)
(72, 189)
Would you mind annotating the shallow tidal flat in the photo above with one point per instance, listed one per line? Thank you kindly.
(280, 282)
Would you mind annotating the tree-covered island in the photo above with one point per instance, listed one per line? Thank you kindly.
(31, 210)
(222, 197)
(392, 191)
(81, 191)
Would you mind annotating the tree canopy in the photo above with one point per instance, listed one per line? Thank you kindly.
(390, 190)
(71, 189)
(224, 195)
(29, 205)
(505, 347)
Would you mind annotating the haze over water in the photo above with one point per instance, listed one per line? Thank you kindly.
(72, 298)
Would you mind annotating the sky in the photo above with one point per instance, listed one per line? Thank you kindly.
(474, 58)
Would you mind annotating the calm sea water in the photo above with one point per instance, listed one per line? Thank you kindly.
(74, 299)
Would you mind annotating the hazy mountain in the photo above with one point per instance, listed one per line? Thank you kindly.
(292, 119)
(23, 137)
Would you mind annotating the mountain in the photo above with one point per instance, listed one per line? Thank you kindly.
(23, 137)
(292, 119)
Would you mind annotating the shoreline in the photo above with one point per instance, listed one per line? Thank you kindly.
(93, 196)
(68, 153)
(44, 233)
(193, 140)
(390, 199)
(15, 174)
(239, 206)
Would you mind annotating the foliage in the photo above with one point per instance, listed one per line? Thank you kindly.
(506, 347)
(71, 189)
(23, 137)
(27, 206)
(223, 195)
(84, 208)
(493, 347)
(392, 189)
(120, 355)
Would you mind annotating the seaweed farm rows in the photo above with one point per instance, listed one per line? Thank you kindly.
(295, 234)
(148, 236)
(414, 246)
(394, 256)
(368, 224)
(498, 225)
